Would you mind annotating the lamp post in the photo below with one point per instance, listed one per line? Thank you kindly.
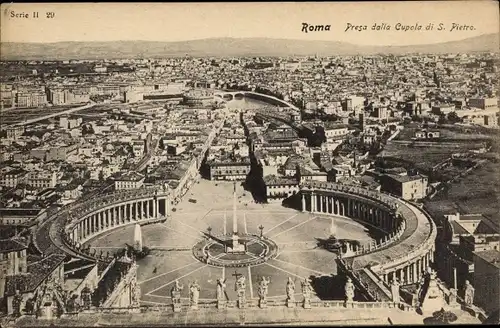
(209, 229)
(261, 229)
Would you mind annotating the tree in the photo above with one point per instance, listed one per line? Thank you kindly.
(453, 118)
(442, 119)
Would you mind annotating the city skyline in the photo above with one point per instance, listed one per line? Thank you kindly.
(186, 22)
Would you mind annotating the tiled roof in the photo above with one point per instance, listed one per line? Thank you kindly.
(490, 256)
(12, 245)
(37, 273)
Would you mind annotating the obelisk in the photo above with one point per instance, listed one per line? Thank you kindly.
(137, 238)
(235, 220)
(236, 246)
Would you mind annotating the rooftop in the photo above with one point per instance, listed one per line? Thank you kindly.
(19, 212)
(279, 180)
(129, 176)
(404, 178)
(37, 272)
(491, 256)
(12, 245)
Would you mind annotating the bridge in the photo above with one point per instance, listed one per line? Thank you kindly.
(238, 95)
(45, 117)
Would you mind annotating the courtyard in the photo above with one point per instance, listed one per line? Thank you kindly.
(295, 233)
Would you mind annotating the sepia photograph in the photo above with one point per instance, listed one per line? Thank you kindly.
(259, 164)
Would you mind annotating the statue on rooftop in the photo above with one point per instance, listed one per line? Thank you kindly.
(349, 290)
(306, 291)
(468, 293)
(395, 291)
(221, 289)
(290, 292)
(241, 291)
(194, 294)
(263, 290)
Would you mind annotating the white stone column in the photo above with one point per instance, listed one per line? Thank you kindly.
(321, 203)
(313, 203)
(119, 213)
(419, 268)
(303, 197)
(155, 208)
(130, 215)
(147, 209)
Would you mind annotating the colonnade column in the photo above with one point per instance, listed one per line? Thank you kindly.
(155, 208)
(321, 203)
(303, 197)
(100, 215)
(313, 202)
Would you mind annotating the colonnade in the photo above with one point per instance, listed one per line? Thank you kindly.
(351, 207)
(410, 272)
(119, 214)
(381, 215)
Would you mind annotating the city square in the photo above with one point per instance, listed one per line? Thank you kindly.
(295, 233)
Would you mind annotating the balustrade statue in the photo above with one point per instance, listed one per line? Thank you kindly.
(395, 291)
(468, 293)
(263, 290)
(194, 295)
(452, 297)
(306, 292)
(241, 290)
(176, 296)
(221, 293)
(290, 293)
(349, 291)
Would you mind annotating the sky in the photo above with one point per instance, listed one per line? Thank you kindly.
(188, 21)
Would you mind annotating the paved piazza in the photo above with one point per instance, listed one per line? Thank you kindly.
(293, 232)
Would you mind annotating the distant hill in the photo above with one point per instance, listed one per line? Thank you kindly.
(223, 47)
